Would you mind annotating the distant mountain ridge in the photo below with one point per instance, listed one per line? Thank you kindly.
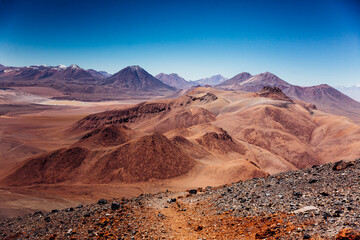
(213, 80)
(87, 85)
(134, 82)
(174, 80)
(323, 96)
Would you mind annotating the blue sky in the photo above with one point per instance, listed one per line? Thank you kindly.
(304, 42)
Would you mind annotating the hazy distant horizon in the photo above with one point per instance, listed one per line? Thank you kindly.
(303, 42)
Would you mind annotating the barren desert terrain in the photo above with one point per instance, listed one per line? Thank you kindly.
(59, 153)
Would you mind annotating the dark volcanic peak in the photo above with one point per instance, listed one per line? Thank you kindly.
(135, 78)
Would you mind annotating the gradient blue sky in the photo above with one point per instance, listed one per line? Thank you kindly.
(304, 42)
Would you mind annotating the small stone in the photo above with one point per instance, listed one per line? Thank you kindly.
(298, 194)
(54, 211)
(80, 206)
(326, 215)
(306, 209)
(38, 213)
(198, 228)
(115, 205)
(337, 213)
(341, 165)
(171, 200)
(47, 219)
(69, 209)
(306, 236)
(311, 181)
(102, 201)
(193, 191)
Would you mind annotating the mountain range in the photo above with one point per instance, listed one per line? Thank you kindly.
(178, 82)
(323, 96)
(212, 81)
(87, 85)
(134, 82)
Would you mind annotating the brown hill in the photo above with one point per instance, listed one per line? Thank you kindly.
(160, 116)
(141, 112)
(221, 142)
(107, 136)
(145, 158)
(54, 167)
(149, 157)
(273, 93)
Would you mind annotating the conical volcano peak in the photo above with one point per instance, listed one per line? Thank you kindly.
(135, 68)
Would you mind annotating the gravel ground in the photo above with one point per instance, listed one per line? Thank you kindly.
(315, 203)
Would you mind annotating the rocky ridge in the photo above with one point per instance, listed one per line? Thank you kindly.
(321, 202)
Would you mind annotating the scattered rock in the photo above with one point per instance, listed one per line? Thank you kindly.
(115, 205)
(198, 228)
(171, 200)
(306, 236)
(348, 234)
(193, 191)
(306, 209)
(298, 194)
(102, 201)
(311, 181)
(341, 165)
(38, 213)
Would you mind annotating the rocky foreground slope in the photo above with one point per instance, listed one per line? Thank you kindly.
(321, 202)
